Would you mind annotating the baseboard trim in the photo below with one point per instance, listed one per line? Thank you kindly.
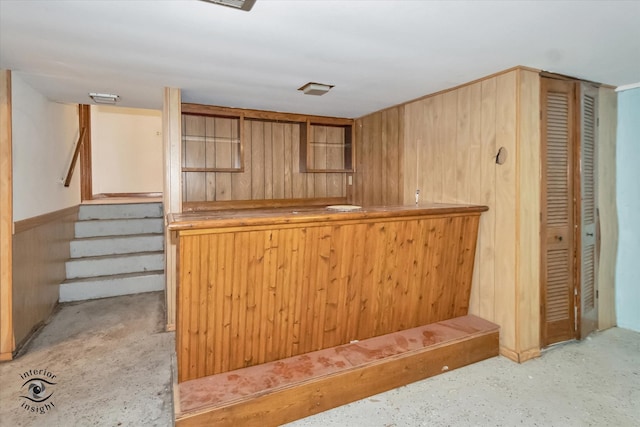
(519, 357)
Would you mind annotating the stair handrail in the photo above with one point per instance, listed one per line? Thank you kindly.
(74, 159)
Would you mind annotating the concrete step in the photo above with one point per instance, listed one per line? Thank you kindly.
(120, 211)
(118, 227)
(111, 286)
(114, 264)
(112, 245)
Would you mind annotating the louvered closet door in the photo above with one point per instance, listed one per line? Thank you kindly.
(558, 135)
(588, 167)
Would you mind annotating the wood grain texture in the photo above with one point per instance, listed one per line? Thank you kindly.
(403, 272)
(270, 116)
(86, 175)
(528, 213)
(172, 190)
(39, 256)
(505, 272)
(280, 392)
(271, 163)
(557, 245)
(7, 342)
(608, 218)
(379, 171)
(450, 143)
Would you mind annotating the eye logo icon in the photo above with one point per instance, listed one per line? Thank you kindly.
(37, 390)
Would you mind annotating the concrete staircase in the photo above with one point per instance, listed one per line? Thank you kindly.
(118, 249)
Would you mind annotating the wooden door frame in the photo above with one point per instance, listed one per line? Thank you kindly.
(7, 339)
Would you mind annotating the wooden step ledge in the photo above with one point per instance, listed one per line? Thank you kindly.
(285, 390)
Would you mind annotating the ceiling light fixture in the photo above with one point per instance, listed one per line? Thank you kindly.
(312, 88)
(104, 98)
(245, 5)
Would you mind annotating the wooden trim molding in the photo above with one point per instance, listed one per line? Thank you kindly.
(262, 115)
(126, 195)
(255, 204)
(172, 190)
(37, 221)
(7, 339)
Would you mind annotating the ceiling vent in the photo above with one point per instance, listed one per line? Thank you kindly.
(245, 5)
(104, 98)
(318, 89)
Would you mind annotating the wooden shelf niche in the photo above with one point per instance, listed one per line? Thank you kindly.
(326, 146)
(212, 143)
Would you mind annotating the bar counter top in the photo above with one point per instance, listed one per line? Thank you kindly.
(298, 215)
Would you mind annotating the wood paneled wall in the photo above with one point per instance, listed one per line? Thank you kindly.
(379, 173)
(254, 294)
(450, 143)
(271, 170)
(40, 250)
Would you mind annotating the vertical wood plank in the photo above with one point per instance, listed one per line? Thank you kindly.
(475, 172)
(257, 160)
(439, 160)
(278, 154)
(172, 191)
(322, 284)
(410, 163)
(7, 344)
(194, 311)
(288, 161)
(505, 243)
(229, 243)
(299, 179)
(224, 133)
(241, 181)
(239, 303)
(257, 259)
(201, 282)
(487, 235)
(462, 145)
(268, 160)
(528, 212)
(448, 146)
(355, 281)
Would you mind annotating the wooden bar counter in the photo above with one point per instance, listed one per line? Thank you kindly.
(260, 285)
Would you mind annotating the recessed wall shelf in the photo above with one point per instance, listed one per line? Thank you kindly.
(326, 146)
(212, 143)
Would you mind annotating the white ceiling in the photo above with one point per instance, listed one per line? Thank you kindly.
(376, 53)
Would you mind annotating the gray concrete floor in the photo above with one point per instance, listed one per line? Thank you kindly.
(112, 363)
(111, 359)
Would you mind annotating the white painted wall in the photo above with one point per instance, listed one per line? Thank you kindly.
(44, 134)
(628, 195)
(126, 150)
